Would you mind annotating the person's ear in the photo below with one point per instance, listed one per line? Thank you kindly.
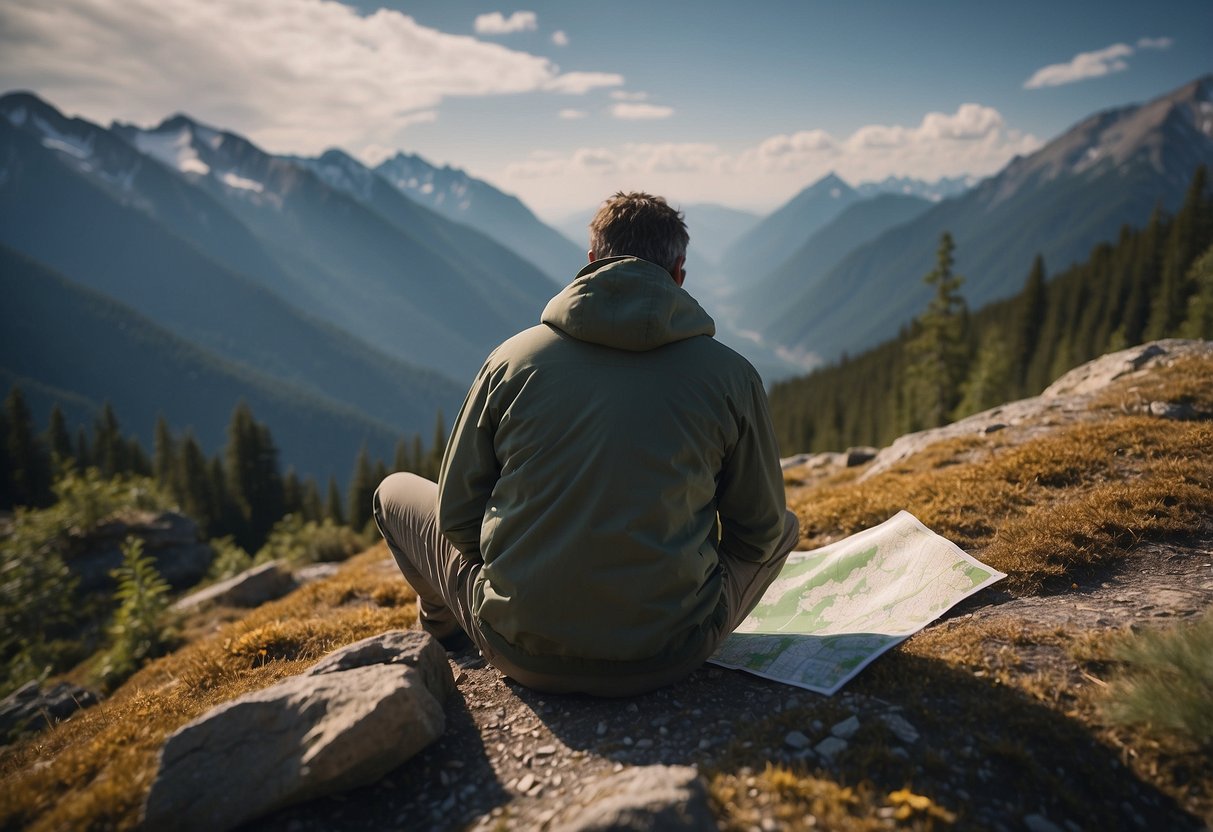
(590, 254)
(679, 273)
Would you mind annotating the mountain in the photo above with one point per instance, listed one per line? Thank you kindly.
(802, 272)
(943, 188)
(84, 203)
(714, 228)
(83, 348)
(1110, 170)
(764, 247)
(465, 199)
(439, 298)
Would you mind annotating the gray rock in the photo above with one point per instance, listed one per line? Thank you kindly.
(250, 588)
(1173, 410)
(901, 728)
(1039, 823)
(846, 729)
(797, 740)
(642, 798)
(30, 708)
(859, 455)
(830, 747)
(315, 572)
(345, 723)
(171, 540)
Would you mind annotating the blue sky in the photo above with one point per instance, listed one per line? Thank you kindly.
(562, 103)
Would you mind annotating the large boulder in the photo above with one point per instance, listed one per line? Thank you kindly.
(250, 588)
(171, 540)
(347, 722)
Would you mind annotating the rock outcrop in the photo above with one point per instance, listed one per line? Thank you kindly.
(250, 588)
(170, 538)
(30, 708)
(347, 722)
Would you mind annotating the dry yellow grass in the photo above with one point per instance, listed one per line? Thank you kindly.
(1082, 495)
(94, 770)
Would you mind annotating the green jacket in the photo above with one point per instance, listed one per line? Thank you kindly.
(588, 467)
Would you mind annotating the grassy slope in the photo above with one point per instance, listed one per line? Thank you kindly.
(1070, 503)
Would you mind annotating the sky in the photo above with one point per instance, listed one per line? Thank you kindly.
(564, 102)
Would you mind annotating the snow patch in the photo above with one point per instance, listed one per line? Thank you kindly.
(175, 149)
(234, 180)
(17, 117)
(74, 146)
(427, 188)
(835, 193)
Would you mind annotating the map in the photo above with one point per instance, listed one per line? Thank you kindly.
(833, 610)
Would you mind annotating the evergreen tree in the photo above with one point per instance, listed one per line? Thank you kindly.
(380, 473)
(29, 477)
(225, 517)
(253, 481)
(1182, 245)
(418, 465)
(164, 455)
(59, 439)
(137, 461)
(400, 460)
(197, 497)
(361, 490)
(1199, 322)
(990, 377)
(312, 510)
(292, 493)
(109, 449)
(937, 352)
(434, 462)
(332, 503)
(1029, 318)
(84, 457)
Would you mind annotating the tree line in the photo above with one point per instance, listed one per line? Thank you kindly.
(240, 491)
(1153, 282)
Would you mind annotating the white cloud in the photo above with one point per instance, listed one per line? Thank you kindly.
(1155, 43)
(293, 75)
(1082, 66)
(570, 114)
(972, 140)
(560, 38)
(641, 111)
(623, 95)
(579, 83)
(495, 23)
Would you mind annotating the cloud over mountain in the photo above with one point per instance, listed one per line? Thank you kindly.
(1095, 64)
(294, 75)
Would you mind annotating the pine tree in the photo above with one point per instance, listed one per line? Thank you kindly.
(1170, 303)
(1199, 321)
(1029, 318)
(311, 509)
(197, 497)
(59, 439)
(137, 461)
(400, 460)
(84, 456)
(434, 461)
(164, 455)
(292, 493)
(937, 352)
(990, 377)
(28, 468)
(253, 480)
(109, 449)
(332, 503)
(361, 490)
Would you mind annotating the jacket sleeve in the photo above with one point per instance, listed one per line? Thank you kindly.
(750, 496)
(469, 471)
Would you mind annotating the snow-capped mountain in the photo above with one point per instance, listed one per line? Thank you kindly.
(945, 187)
(463, 198)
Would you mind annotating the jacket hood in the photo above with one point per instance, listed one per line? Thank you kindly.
(629, 304)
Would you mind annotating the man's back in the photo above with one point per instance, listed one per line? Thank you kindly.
(588, 466)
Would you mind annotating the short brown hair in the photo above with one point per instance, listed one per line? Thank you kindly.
(639, 225)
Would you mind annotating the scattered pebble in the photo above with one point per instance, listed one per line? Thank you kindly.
(830, 747)
(796, 739)
(846, 729)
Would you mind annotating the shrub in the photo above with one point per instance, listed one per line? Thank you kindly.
(297, 542)
(230, 560)
(1166, 684)
(137, 629)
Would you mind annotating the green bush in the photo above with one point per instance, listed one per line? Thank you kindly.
(137, 631)
(298, 542)
(1166, 684)
(230, 560)
(44, 624)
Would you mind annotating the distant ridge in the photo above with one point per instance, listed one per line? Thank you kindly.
(1109, 170)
